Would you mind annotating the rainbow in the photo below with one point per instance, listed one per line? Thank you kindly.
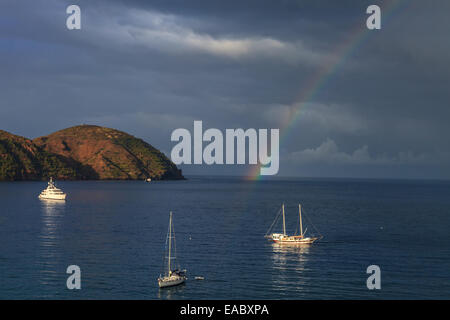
(324, 74)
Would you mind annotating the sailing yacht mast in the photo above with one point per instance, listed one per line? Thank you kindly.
(284, 238)
(175, 277)
(170, 238)
(300, 215)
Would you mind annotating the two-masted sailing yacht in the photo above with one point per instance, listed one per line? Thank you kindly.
(176, 276)
(52, 192)
(284, 238)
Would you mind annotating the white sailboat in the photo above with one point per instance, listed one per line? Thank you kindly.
(284, 238)
(176, 276)
(52, 192)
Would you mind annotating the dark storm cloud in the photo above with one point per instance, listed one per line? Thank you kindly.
(148, 67)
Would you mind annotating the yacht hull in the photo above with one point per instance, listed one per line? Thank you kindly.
(296, 242)
(165, 282)
(53, 197)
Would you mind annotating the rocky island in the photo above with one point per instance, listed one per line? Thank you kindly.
(85, 152)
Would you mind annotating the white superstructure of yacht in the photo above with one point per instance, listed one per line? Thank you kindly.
(52, 192)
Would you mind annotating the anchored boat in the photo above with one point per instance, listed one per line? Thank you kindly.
(52, 192)
(176, 276)
(284, 238)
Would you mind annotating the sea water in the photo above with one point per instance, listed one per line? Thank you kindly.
(115, 231)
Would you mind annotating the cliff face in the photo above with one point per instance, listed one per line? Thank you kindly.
(112, 154)
(82, 152)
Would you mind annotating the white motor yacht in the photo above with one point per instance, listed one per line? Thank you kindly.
(52, 192)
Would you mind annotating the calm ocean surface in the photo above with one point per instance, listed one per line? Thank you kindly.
(115, 231)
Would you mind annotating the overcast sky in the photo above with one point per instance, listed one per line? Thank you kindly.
(149, 67)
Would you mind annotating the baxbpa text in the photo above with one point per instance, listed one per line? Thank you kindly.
(246, 309)
(213, 153)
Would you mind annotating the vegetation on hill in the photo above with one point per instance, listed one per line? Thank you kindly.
(21, 159)
(82, 152)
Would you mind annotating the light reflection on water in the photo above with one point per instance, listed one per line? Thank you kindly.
(289, 263)
(283, 254)
(52, 213)
(170, 293)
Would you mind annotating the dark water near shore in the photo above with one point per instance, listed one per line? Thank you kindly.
(115, 232)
